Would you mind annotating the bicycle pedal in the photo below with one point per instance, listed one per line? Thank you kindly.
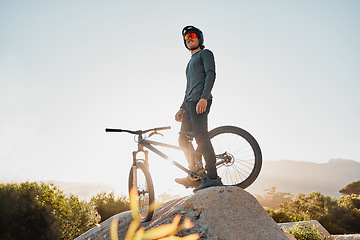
(187, 182)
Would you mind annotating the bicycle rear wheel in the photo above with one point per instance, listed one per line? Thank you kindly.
(239, 157)
(142, 181)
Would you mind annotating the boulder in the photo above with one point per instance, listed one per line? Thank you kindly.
(222, 213)
(347, 237)
(315, 223)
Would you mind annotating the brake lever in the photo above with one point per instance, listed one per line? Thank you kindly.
(155, 132)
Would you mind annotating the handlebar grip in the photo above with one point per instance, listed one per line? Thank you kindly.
(113, 130)
(163, 128)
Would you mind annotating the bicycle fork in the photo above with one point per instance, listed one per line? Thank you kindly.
(134, 165)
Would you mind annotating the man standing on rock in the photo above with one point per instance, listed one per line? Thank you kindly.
(193, 113)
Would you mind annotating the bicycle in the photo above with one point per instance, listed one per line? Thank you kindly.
(238, 161)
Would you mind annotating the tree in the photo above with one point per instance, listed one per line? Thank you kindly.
(351, 220)
(352, 188)
(107, 205)
(41, 211)
(338, 216)
(22, 216)
(273, 199)
(81, 217)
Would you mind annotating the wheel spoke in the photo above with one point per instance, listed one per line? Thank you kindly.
(145, 190)
(241, 153)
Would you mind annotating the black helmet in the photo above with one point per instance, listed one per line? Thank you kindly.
(198, 32)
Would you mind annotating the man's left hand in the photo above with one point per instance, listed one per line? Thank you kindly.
(201, 106)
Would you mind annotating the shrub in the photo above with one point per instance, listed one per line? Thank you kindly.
(338, 216)
(41, 211)
(107, 205)
(349, 217)
(305, 231)
(279, 215)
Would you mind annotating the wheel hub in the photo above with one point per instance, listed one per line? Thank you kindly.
(229, 159)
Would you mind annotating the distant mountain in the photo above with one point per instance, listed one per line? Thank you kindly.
(304, 177)
(287, 176)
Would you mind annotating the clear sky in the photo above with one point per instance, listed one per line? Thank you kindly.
(287, 71)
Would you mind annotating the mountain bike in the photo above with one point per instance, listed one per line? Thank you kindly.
(238, 161)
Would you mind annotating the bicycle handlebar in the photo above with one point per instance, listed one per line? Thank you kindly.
(138, 132)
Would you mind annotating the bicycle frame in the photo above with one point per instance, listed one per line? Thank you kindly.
(149, 145)
(143, 142)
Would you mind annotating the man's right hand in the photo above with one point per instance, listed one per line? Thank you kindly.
(179, 115)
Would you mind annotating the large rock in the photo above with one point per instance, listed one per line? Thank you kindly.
(218, 213)
(347, 237)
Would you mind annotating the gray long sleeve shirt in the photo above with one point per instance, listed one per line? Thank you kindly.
(200, 75)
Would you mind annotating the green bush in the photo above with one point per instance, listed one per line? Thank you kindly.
(279, 215)
(338, 216)
(22, 216)
(305, 231)
(107, 205)
(42, 211)
(349, 216)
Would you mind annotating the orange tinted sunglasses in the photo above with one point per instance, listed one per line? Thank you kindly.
(192, 35)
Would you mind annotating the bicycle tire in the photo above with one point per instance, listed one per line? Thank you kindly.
(246, 155)
(145, 190)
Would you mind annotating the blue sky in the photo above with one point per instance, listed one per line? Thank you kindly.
(287, 71)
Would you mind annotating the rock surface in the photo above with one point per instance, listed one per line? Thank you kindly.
(347, 237)
(220, 213)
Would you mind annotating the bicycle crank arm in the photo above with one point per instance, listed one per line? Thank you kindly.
(220, 162)
(202, 171)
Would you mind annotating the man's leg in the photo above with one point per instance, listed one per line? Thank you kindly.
(186, 143)
(200, 128)
(199, 124)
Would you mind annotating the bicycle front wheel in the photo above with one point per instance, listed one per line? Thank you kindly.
(140, 178)
(239, 157)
